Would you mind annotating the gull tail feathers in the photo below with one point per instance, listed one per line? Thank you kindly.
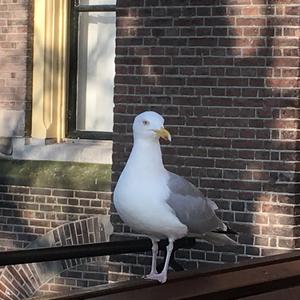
(218, 239)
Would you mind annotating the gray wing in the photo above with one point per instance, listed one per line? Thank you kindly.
(191, 207)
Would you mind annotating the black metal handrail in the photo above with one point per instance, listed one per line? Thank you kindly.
(90, 250)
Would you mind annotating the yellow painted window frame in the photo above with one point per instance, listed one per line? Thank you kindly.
(50, 69)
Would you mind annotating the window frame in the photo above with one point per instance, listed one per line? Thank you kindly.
(72, 131)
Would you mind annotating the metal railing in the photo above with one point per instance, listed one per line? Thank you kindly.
(90, 250)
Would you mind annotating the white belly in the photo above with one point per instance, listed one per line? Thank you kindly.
(142, 205)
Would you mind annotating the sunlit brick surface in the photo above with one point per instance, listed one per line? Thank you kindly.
(224, 75)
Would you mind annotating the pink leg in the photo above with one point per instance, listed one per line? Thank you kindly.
(153, 271)
(162, 277)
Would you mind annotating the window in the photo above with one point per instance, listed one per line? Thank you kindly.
(91, 69)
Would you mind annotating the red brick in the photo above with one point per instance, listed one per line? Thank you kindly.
(251, 11)
(250, 21)
(283, 21)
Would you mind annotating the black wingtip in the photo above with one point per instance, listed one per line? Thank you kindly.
(231, 231)
(228, 231)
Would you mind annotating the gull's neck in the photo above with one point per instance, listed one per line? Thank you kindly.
(146, 155)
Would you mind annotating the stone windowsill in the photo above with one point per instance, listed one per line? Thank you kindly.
(85, 151)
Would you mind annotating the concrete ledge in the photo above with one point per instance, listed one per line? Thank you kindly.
(86, 151)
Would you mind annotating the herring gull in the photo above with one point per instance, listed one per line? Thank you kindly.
(161, 204)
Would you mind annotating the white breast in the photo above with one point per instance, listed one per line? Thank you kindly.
(141, 203)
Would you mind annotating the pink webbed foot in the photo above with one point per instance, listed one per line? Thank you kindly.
(161, 277)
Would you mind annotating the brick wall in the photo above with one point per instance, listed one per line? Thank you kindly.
(224, 74)
(15, 66)
(29, 212)
(47, 217)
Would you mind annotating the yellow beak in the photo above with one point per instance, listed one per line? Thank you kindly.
(164, 134)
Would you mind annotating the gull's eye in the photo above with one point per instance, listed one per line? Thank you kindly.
(145, 122)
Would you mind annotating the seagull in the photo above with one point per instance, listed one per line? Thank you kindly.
(158, 203)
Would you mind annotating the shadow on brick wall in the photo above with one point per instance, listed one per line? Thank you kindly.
(223, 74)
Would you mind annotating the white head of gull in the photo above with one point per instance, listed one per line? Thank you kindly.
(158, 203)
